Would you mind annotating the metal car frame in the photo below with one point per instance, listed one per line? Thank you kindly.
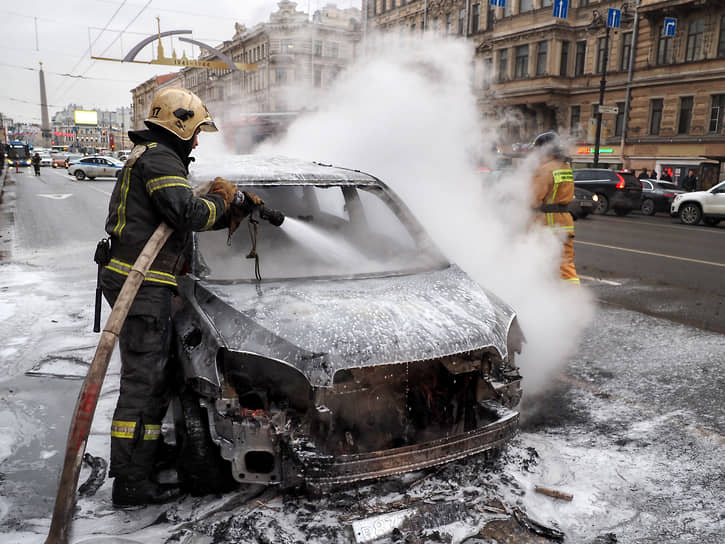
(281, 414)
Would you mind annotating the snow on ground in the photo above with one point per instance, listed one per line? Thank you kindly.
(617, 434)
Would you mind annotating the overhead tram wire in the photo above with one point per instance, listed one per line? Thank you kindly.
(62, 92)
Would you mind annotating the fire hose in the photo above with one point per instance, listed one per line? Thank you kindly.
(85, 408)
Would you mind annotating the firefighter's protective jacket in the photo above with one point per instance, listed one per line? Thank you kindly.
(153, 187)
(553, 188)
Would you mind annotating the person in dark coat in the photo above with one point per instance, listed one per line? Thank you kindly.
(689, 183)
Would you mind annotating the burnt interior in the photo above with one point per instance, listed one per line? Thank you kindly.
(376, 408)
(368, 409)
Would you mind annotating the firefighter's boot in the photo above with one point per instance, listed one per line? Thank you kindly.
(128, 492)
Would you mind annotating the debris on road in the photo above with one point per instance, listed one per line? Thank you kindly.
(553, 493)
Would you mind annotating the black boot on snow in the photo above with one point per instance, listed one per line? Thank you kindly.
(141, 492)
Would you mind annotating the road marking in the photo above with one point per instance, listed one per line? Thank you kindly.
(652, 253)
(591, 278)
(55, 197)
(676, 226)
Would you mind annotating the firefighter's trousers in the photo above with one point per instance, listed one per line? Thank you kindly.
(145, 342)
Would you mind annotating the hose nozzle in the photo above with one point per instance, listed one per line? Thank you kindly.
(275, 217)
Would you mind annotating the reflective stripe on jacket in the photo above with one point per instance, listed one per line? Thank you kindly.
(553, 183)
(152, 188)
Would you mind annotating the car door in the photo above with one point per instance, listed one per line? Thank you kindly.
(104, 168)
(715, 201)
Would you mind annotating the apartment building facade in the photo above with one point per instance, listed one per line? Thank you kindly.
(538, 72)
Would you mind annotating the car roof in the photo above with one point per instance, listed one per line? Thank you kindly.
(276, 170)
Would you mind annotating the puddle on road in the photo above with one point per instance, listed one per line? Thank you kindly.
(35, 414)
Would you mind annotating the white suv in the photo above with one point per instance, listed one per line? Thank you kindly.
(706, 205)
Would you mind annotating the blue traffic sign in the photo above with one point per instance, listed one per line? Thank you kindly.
(670, 26)
(613, 17)
(561, 8)
(498, 3)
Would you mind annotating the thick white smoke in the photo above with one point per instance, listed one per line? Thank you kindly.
(408, 115)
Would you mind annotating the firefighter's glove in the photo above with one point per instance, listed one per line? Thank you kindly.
(225, 189)
(243, 204)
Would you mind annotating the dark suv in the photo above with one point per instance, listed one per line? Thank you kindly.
(620, 191)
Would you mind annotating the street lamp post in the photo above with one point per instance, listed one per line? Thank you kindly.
(595, 25)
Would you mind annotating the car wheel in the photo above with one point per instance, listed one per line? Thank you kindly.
(690, 213)
(648, 206)
(201, 468)
(710, 221)
(602, 205)
(622, 211)
(80, 175)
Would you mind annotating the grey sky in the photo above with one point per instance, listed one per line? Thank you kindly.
(69, 32)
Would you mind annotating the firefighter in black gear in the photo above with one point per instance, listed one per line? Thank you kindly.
(36, 163)
(152, 188)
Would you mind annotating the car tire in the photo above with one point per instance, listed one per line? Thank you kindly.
(710, 221)
(621, 212)
(648, 206)
(690, 213)
(80, 175)
(602, 205)
(200, 467)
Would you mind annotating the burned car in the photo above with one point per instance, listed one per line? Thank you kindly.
(360, 353)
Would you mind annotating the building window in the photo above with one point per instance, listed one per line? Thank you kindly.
(461, 22)
(664, 48)
(564, 64)
(521, 69)
(694, 40)
(286, 46)
(601, 53)
(619, 120)
(526, 5)
(655, 116)
(545, 3)
(281, 76)
(475, 15)
(721, 44)
(334, 49)
(318, 48)
(716, 111)
(581, 54)
(487, 72)
(626, 51)
(583, 3)
(449, 23)
(508, 9)
(318, 77)
(576, 118)
(541, 56)
(491, 18)
(683, 126)
(503, 62)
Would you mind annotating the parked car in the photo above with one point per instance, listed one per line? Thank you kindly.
(583, 204)
(657, 196)
(95, 166)
(620, 191)
(58, 161)
(706, 206)
(361, 353)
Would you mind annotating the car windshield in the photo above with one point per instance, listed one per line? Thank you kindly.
(328, 231)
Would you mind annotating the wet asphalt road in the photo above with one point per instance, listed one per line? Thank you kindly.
(635, 428)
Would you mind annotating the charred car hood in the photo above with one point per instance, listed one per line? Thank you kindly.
(321, 326)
